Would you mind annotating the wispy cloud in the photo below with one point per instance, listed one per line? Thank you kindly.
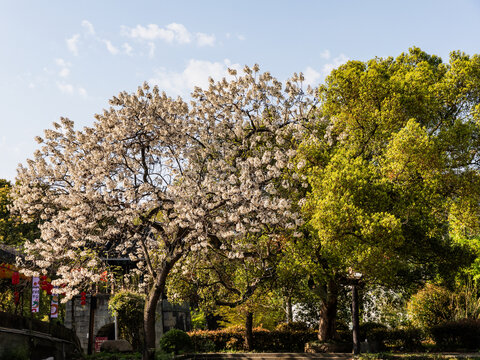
(71, 89)
(171, 33)
(325, 54)
(88, 26)
(127, 49)
(72, 44)
(64, 67)
(111, 49)
(196, 73)
(205, 39)
(314, 77)
(65, 87)
(336, 62)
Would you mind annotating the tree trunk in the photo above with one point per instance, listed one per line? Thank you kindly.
(328, 313)
(289, 310)
(355, 320)
(249, 331)
(149, 312)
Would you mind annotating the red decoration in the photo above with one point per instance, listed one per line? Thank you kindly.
(15, 278)
(49, 288)
(43, 282)
(104, 276)
(83, 298)
(16, 297)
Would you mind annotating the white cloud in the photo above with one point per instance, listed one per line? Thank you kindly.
(64, 67)
(205, 39)
(72, 44)
(196, 73)
(151, 49)
(314, 77)
(241, 37)
(336, 62)
(82, 92)
(111, 49)
(325, 54)
(70, 89)
(65, 87)
(88, 27)
(172, 33)
(127, 49)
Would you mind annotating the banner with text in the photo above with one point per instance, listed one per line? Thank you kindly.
(35, 294)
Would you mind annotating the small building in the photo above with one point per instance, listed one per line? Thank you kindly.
(94, 318)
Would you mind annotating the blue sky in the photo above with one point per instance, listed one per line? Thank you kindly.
(67, 58)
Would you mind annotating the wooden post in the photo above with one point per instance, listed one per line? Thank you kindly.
(355, 319)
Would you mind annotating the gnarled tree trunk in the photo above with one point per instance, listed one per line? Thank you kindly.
(328, 313)
(149, 312)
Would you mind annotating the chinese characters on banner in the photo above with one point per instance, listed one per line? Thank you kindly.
(54, 306)
(35, 294)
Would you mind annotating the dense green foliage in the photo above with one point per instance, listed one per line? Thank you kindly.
(431, 306)
(13, 231)
(128, 307)
(233, 338)
(175, 341)
(454, 335)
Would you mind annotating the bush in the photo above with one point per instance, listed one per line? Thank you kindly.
(366, 329)
(233, 339)
(292, 326)
(128, 307)
(175, 341)
(431, 306)
(460, 334)
(17, 353)
(407, 339)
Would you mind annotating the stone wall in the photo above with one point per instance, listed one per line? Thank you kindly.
(174, 316)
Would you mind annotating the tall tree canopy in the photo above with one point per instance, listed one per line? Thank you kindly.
(157, 178)
(395, 149)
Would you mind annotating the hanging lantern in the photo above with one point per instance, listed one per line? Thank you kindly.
(15, 278)
(49, 288)
(83, 298)
(104, 276)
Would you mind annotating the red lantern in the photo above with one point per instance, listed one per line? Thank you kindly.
(15, 278)
(49, 288)
(83, 298)
(104, 276)
(43, 282)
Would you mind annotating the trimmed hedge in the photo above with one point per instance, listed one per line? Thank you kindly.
(233, 338)
(407, 339)
(460, 334)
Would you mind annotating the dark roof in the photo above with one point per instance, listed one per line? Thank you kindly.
(8, 254)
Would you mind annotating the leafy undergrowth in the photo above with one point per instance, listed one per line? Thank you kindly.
(419, 356)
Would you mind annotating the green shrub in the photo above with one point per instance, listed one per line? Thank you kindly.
(175, 341)
(292, 326)
(233, 339)
(431, 306)
(128, 307)
(452, 335)
(406, 339)
(16, 353)
(114, 356)
(366, 329)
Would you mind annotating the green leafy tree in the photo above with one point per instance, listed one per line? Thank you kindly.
(13, 231)
(394, 146)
